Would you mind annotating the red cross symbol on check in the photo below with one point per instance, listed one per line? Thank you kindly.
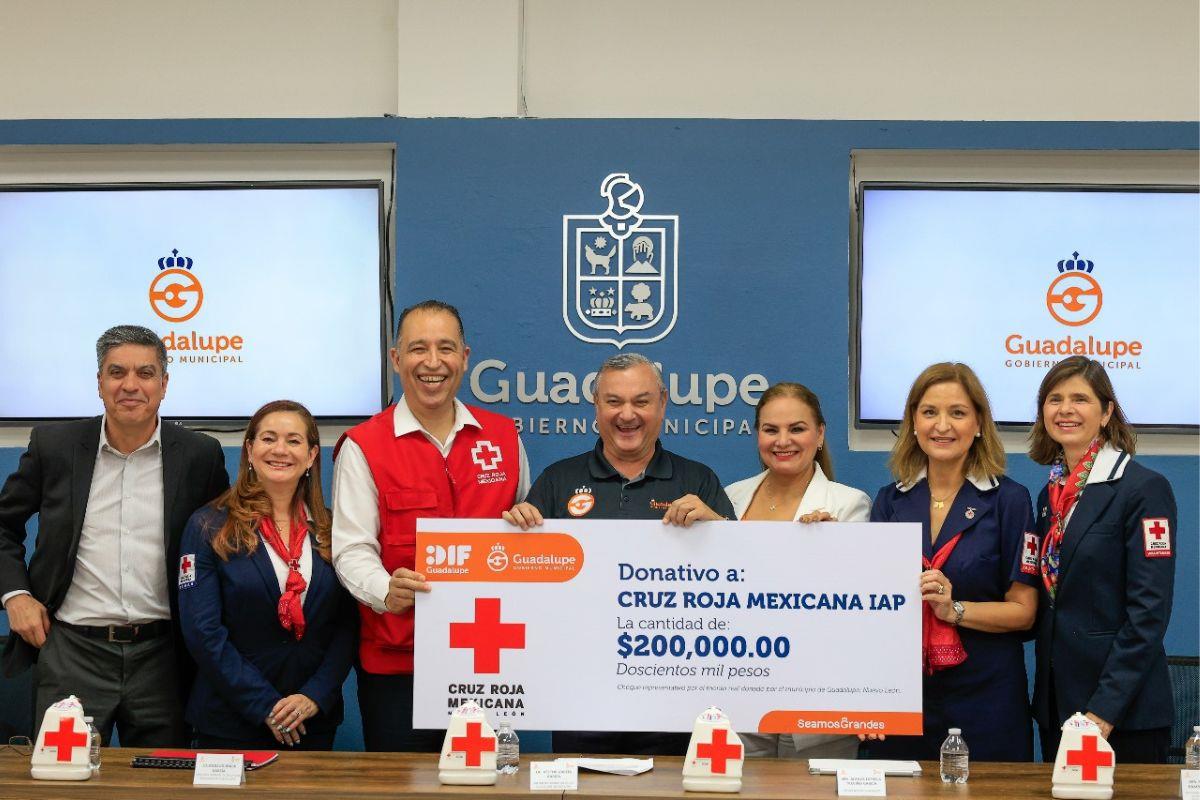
(1089, 758)
(718, 750)
(65, 738)
(473, 745)
(487, 635)
(1158, 529)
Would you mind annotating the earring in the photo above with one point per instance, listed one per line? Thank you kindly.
(307, 471)
(819, 447)
(978, 434)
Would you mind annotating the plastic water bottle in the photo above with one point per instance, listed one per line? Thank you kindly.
(508, 750)
(1191, 750)
(955, 758)
(93, 743)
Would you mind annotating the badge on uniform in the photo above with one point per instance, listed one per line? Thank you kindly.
(581, 502)
(1156, 533)
(187, 570)
(1029, 554)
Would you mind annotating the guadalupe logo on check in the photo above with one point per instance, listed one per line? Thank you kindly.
(620, 269)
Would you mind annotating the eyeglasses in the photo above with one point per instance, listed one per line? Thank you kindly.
(21, 745)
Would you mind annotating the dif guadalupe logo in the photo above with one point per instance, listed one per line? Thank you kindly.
(175, 293)
(620, 269)
(1074, 297)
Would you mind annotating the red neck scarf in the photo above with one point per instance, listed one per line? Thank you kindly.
(291, 610)
(1064, 494)
(941, 646)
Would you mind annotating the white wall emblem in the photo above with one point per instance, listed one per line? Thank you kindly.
(620, 269)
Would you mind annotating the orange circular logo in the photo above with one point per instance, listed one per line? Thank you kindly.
(580, 504)
(176, 295)
(1074, 298)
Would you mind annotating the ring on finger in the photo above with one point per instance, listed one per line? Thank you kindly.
(941, 588)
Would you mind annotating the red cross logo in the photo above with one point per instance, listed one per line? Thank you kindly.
(1157, 529)
(185, 564)
(65, 738)
(1031, 546)
(1089, 758)
(719, 751)
(487, 635)
(486, 455)
(473, 745)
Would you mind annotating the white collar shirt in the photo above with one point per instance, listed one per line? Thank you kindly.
(120, 575)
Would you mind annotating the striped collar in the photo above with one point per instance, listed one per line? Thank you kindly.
(983, 484)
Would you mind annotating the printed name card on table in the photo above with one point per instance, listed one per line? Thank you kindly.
(861, 782)
(1189, 784)
(219, 769)
(553, 775)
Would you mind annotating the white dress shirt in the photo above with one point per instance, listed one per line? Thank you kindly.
(120, 567)
(356, 556)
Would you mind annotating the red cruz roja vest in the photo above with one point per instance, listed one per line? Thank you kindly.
(478, 479)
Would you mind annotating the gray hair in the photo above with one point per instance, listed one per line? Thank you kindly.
(624, 361)
(130, 334)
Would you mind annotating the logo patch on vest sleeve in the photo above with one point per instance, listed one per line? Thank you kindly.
(1156, 533)
(1029, 554)
(187, 570)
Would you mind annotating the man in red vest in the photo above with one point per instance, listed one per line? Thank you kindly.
(428, 455)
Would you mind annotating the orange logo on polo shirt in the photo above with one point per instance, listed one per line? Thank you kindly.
(175, 293)
(1074, 297)
(581, 502)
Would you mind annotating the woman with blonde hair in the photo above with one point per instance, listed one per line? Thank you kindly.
(978, 586)
(796, 485)
(271, 629)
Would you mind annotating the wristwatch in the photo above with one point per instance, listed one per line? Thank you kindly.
(959, 610)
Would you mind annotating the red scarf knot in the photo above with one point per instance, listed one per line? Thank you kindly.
(291, 610)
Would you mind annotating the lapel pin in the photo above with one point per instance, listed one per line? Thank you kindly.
(970, 513)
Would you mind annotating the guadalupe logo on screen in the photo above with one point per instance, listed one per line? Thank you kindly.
(1074, 297)
(175, 293)
(620, 269)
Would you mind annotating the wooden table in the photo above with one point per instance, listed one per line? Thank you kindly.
(344, 776)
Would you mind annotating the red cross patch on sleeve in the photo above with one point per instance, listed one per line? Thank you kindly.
(1156, 531)
(1029, 554)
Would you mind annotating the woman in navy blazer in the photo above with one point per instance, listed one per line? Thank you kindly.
(1106, 528)
(978, 590)
(271, 629)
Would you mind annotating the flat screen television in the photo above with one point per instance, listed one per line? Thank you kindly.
(1011, 279)
(260, 291)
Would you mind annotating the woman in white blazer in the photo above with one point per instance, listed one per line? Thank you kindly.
(795, 486)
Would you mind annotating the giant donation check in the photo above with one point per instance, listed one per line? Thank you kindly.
(633, 625)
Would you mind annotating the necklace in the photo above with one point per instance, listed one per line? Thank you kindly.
(938, 504)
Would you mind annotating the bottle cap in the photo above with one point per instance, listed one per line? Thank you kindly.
(93, 719)
(956, 731)
(1196, 729)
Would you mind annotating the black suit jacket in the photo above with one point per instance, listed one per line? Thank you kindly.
(53, 480)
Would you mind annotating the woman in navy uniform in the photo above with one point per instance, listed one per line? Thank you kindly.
(271, 629)
(1107, 532)
(977, 591)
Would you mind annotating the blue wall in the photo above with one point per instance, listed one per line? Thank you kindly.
(764, 221)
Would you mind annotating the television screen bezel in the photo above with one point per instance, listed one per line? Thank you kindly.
(856, 288)
(237, 423)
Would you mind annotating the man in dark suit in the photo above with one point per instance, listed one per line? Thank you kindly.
(96, 604)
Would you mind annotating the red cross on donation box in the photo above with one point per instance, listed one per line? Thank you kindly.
(66, 738)
(1089, 758)
(487, 635)
(718, 750)
(473, 745)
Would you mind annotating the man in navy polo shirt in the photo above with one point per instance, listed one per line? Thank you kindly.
(628, 475)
